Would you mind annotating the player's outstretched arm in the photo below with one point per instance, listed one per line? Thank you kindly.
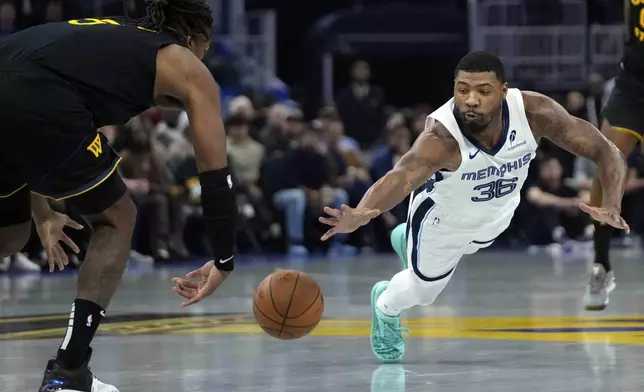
(434, 149)
(182, 76)
(549, 119)
(431, 151)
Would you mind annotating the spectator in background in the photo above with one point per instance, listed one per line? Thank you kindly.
(348, 171)
(554, 207)
(7, 19)
(284, 126)
(241, 106)
(362, 106)
(417, 120)
(54, 11)
(151, 184)
(246, 156)
(20, 262)
(384, 159)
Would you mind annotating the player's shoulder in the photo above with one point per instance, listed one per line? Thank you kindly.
(436, 131)
(536, 103)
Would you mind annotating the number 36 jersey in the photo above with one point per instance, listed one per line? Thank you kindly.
(109, 62)
(487, 185)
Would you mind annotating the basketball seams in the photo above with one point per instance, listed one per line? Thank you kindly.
(293, 300)
(257, 308)
(270, 292)
(308, 307)
(290, 302)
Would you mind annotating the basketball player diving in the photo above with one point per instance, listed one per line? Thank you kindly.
(465, 173)
(624, 126)
(59, 83)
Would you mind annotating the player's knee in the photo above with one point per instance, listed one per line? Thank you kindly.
(425, 291)
(120, 216)
(14, 238)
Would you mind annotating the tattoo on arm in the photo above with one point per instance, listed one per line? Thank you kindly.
(549, 119)
(416, 169)
(433, 150)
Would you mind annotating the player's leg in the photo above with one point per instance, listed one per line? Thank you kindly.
(623, 126)
(15, 221)
(433, 258)
(89, 182)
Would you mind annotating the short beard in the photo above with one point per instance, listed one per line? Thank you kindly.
(473, 128)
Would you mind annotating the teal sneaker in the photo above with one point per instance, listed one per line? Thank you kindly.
(399, 243)
(387, 342)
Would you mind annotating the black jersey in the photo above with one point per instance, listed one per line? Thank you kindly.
(111, 63)
(633, 60)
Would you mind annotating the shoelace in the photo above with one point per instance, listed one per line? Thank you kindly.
(597, 283)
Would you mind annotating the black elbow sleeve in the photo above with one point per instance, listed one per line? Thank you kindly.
(220, 215)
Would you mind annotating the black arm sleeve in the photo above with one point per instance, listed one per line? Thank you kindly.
(220, 215)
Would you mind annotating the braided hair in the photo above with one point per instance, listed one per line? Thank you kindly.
(188, 18)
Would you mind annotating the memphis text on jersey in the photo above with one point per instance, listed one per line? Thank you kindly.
(498, 171)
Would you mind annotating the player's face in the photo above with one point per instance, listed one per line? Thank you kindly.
(478, 96)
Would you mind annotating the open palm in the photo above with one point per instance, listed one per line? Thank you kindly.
(346, 220)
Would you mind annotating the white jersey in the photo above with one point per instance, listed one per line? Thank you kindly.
(486, 186)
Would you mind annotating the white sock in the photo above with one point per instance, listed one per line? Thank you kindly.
(406, 290)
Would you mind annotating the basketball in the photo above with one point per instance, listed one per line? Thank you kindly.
(288, 304)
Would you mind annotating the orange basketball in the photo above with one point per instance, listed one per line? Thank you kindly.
(288, 304)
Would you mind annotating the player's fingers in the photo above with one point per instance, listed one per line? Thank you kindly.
(187, 294)
(50, 259)
(185, 283)
(73, 224)
(328, 221)
(194, 274)
(328, 234)
(345, 208)
(70, 243)
(586, 208)
(333, 212)
(194, 300)
(61, 260)
(623, 225)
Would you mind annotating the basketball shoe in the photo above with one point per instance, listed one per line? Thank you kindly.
(59, 379)
(387, 341)
(600, 285)
(398, 240)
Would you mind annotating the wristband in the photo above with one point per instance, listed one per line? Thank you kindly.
(220, 215)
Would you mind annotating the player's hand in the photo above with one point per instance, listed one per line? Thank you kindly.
(609, 216)
(346, 220)
(199, 283)
(50, 231)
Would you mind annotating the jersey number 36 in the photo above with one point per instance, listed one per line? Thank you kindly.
(495, 189)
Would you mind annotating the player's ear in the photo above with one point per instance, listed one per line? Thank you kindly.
(505, 89)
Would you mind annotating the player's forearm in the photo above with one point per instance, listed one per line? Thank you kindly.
(40, 208)
(217, 197)
(611, 172)
(387, 192)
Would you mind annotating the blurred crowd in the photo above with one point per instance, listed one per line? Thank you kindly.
(286, 168)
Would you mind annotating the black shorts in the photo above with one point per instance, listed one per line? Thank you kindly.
(49, 145)
(625, 107)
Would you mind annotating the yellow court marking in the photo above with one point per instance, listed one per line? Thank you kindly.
(627, 329)
(614, 329)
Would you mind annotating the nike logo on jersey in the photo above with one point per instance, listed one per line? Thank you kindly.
(473, 155)
(227, 260)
